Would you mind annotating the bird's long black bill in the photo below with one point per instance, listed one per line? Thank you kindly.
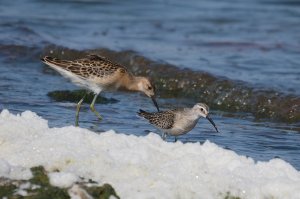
(212, 122)
(155, 103)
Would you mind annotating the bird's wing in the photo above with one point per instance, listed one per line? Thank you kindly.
(90, 66)
(163, 119)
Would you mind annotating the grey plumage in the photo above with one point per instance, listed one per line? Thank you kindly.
(177, 121)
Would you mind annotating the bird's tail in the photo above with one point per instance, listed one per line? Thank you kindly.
(47, 59)
(143, 113)
(51, 61)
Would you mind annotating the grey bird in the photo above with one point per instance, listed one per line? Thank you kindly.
(178, 121)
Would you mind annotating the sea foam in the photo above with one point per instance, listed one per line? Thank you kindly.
(138, 167)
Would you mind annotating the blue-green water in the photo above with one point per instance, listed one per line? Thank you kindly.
(257, 42)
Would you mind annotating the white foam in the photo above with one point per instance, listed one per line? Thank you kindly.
(140, 167)
(62, 179)
(14, 172)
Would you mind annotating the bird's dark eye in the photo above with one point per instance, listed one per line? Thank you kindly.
(201, 109)
(149, 87)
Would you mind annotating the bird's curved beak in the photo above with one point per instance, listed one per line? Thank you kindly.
(154, 102)
(212, 122)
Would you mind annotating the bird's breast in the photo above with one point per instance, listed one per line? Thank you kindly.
(183, 126)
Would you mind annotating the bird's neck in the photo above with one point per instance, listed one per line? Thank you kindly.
(193, 114)
(132, 83)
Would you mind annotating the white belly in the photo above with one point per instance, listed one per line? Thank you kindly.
(77, 80)
(182, 126)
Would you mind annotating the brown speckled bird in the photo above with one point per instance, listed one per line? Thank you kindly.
(177, 121)
(96, 73)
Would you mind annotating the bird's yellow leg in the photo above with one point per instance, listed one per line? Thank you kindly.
(93, 108)
(78, 109)
(164, 136)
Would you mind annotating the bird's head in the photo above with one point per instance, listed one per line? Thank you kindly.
(203, 111)
(145, 86)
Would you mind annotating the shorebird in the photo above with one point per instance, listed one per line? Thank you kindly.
(96, 74)
(177, 121)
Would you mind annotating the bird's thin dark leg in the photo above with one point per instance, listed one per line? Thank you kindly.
(175, 138)
(78, 109)
(92, 107)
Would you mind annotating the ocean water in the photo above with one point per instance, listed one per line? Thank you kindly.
(255, 42)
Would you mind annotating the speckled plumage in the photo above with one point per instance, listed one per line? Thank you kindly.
(99, 69)
(93, 66)
(162, 120)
